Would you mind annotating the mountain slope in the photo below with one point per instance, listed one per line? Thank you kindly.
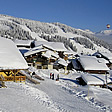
(105, 35)
(77, 39)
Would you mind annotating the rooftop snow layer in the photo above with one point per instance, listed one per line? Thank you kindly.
(91, 63)
(34, 51)
(95, 79)
(61, 62)
(23, 42)
(57, 46)
(10, 57)
(107, 55)
(50, 54)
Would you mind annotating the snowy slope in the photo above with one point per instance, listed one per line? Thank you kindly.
(105, 35)
(65, 95)
(18, 28)
(105, 32)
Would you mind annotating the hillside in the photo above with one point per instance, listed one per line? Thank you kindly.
(77, 39)
(105, 35)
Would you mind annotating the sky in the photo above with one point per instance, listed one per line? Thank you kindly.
(82, 14)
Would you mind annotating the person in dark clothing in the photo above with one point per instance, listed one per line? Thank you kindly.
(57, 79)
(50, 75)
(53, 76)
(33, 73)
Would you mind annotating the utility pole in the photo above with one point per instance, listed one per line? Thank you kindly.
(88, 93)
(106, 79)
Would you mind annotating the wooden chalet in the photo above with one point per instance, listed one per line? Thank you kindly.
(41, 58)
(91, 64)
(94, 80)
(61, 64)
(106, 56)
(53, 46)
(34, 57)
(11, 61)
(24, 43)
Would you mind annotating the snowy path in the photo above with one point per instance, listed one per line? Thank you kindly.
(49, 96)
(63, 100)
(15, 99)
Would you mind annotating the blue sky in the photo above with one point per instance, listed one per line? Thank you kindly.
(83, 14)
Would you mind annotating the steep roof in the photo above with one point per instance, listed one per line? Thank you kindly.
(92, 63)
(50, 54)
(34, 51)
(23, 42)
(107, 55)
(10, 57)
(56, 46)
(61, 62)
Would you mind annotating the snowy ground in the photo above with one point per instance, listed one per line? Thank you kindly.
(65, 95)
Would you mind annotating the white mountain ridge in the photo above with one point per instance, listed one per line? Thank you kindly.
(105, 32)
(79, 40)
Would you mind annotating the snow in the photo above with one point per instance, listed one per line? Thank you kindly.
(107, 55)
(56, 46)
(49, 54)
(103, 95)
(80, 48)
(65, 95)
(95, 79)
(4, 27)
(10, 57)
(104, 32)
(61, 62)
(43, 43)
(35, 36)
(34, 51)
(91, 63)
(23, 42)
(102, 60)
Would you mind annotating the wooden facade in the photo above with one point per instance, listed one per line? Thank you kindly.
(11, 75)
(96, 71)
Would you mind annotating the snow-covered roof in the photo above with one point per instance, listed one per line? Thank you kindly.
(23, 42)
(61, 62)
(43, 43)
(95, 79)
(34, 51)
(110, 60)
(107, 55)
(10, 57)
(69, 52)
(91, 63)
(50, 54)
(23, 50)
(56, 46)
(104, 54)
(102, 60)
